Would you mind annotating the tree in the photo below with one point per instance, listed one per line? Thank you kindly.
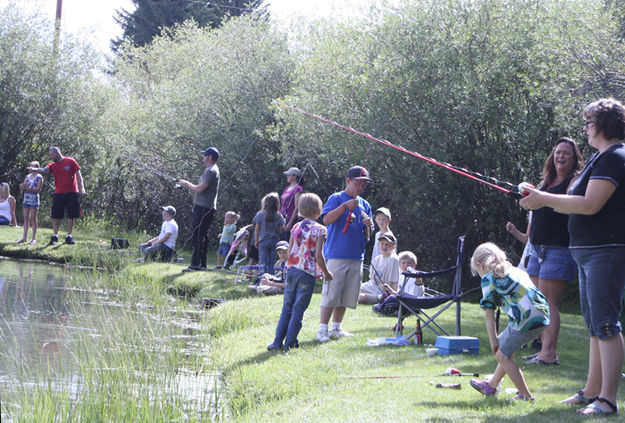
(151, 16)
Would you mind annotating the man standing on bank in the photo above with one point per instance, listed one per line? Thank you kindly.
(68, 186)
(204, 206)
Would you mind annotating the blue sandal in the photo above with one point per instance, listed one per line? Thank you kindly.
(596, 410)
(578, 399)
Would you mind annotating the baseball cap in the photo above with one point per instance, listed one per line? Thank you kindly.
(212, 151)
(388, 237)
(170, 209)
(386, 212)
(358, 173)
(293, 171)
(282, 245)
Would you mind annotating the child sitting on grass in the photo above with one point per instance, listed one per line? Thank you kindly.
(270, 284)
(527, 311)
(305, 258)
(384, 270)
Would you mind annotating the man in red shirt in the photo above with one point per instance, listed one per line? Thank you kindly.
(68, 185)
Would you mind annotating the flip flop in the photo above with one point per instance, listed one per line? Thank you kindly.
(531, 356)
(578, 399)
(596, 410)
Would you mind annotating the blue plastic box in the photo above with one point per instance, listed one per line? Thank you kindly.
(457, 345)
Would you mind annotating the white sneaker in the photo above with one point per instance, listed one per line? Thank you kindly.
(322, 336)
(339, 333)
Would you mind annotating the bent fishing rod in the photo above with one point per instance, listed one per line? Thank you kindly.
(155, 171)
(515, 191)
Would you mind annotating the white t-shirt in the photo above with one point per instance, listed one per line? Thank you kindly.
(171, 227)
(382, 270)
(411, 286)
(376, 247)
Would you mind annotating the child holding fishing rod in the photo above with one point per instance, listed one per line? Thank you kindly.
(349, 221)
(527, 310)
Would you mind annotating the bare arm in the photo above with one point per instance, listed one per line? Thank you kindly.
(333, 215)
(256, 234)
(523, 237)
(81, 186)
(199, 188)
(492, 331)
(597, 194)
(11, 201)
(321, 261)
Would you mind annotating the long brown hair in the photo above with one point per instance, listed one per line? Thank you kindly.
(549, 169)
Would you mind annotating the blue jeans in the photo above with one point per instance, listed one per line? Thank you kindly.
(601, 284)
(298, 291)
(267, 255)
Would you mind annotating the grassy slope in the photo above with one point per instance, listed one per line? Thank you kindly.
(346, 379)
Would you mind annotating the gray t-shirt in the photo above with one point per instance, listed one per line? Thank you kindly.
(208, 198)
(268, 230)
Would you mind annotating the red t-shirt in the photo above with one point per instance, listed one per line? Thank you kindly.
(64, 172)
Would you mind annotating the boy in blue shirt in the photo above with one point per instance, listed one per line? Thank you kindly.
(349, 221)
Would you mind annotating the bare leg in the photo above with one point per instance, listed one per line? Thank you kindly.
(70, 226)
(552, 288)
(26, 222)
(55, 226)
(34, 222)
(339, 312)
(610, 363)
(326, 312)
(514, 373)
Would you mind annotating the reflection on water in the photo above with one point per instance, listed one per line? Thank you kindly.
(64, 339)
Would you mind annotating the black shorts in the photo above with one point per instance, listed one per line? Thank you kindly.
(66, 201)
(252, 252)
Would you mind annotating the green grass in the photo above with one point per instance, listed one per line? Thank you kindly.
(343, 380)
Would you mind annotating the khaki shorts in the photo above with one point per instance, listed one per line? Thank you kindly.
(343, 289)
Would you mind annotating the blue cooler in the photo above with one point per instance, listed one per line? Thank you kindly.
(448, 345)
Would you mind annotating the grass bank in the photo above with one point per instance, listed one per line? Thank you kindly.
(343, 380)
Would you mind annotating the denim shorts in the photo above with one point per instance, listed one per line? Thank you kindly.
(552, 262)
(601, 284)
(511, 340)
(224, 248)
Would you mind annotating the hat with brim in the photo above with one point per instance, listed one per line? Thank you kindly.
(170, 209)
(293, 171)
(388, 237)
(282, 245)
(386, 212)
(212, 151)
(358, 173)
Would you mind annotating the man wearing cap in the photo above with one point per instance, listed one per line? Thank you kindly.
(349, 221)
(289, 199)
(68, 186)
(204, 206)
(165, 242)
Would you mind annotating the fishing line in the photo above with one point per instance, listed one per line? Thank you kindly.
(512, 189)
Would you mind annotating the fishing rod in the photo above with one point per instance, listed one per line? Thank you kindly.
(155, 171)
(512, 190)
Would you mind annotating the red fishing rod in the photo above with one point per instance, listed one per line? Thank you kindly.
(512, 190)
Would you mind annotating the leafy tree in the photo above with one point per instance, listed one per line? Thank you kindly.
(47, 98)
(486, 85)
(151, 16)
(190, 89)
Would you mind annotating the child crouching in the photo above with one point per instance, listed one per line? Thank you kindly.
(527, 311)
(305, 256)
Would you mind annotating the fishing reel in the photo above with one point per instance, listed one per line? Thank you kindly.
(522, 190)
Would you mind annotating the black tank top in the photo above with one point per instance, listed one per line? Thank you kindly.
(549, 227)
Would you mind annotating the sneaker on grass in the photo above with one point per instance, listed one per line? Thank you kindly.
(483, 387)
(54, 240)
(69, 240)
(322, 336)
(339, 333)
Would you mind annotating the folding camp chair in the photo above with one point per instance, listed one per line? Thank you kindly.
(432, 299)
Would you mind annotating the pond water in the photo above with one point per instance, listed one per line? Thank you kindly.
(72, 342)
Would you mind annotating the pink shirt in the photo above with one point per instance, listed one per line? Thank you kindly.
(287, 201)
(305, 237)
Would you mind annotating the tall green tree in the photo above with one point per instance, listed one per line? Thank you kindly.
(150, 17)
